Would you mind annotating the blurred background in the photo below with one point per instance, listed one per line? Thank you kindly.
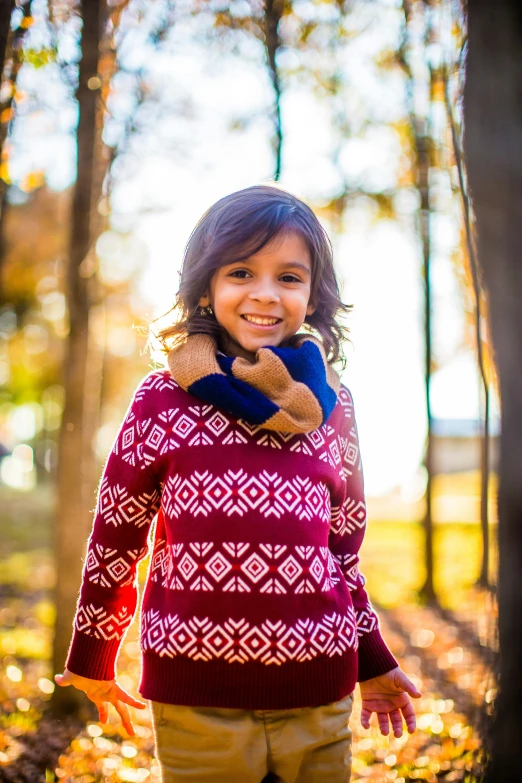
(121, 122)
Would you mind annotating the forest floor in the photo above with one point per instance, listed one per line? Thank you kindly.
(447, 649)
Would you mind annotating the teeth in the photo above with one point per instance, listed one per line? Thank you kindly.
(255, 320)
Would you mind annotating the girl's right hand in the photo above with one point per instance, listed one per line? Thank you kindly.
(103, 693)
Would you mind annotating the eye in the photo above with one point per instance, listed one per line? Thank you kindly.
(241, 273)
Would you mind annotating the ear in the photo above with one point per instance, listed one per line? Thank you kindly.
(204, 301)
(311, 308)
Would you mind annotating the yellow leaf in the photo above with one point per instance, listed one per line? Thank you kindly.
(4, 172)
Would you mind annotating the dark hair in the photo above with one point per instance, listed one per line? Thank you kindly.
(238, 226)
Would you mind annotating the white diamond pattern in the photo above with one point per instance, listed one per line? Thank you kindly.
(238, 492)
(116, 506)
(106, 568)
(271, 642)
(349, 566)
(183, 426)
(255, 567)
(290, 569)
(97, 622)
(244, 567)
(187, 566)
(350, 517)
(366, 620)
(218, 566)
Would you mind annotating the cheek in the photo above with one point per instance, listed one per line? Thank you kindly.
(228, 295)
(226, 301)
(222, 293)
(299, 303)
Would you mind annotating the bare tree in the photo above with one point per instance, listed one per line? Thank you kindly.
(81, 376)
(483, 579)
(421, 141)
(77, 469)
(493, 129)
(272, 18)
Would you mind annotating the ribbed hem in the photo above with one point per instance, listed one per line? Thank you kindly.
(374, 656)
(248, 686)
(93, 658)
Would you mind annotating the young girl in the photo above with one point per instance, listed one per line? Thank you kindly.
(255, 624)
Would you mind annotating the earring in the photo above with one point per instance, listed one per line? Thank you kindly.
(206, 310)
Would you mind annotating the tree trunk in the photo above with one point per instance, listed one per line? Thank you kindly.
(493, 131)
(421, 154)
(76, 468)
(273, 14)
(423, 168)
(483, 579)
(6, 10)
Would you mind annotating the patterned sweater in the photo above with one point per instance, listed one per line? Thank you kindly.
(253, 597)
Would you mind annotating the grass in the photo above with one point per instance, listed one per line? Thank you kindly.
(26, 519)
(392, 561)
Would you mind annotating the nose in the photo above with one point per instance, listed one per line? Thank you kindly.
(264, 291)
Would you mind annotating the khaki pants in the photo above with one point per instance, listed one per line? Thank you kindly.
(215, 745)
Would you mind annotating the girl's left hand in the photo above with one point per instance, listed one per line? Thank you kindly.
(387, 695)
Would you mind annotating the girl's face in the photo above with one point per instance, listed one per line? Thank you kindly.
(271, 284)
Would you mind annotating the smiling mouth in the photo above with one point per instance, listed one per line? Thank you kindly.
(262, 323)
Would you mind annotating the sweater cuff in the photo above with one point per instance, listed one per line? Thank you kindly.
(374, 656)
(92, 658)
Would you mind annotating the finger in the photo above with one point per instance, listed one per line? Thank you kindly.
(60, 680)
(396, 722)
(365, 718)
(404, 683)
(409, 717)
(103, 711)
(123, 711)
(123, 695)
(383, 722)
(411, 689)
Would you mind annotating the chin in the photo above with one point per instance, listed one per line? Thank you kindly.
(253, 346)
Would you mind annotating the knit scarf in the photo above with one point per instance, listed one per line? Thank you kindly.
(290, 389)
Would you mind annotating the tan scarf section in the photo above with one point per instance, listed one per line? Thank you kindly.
(299, 409)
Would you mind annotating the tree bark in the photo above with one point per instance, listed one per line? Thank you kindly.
(493, 131)
(76, 471)
(421, 155)
(423, 167)
(273, 15)
(6, 10)
(483, 579)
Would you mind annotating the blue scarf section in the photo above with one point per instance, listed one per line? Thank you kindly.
(290, 389)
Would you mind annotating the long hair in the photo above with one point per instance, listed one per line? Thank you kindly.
(236, 227)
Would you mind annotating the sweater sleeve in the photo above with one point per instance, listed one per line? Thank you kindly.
(346, 536)
(128, 499)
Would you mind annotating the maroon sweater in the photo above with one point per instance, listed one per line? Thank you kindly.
(254, 597)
